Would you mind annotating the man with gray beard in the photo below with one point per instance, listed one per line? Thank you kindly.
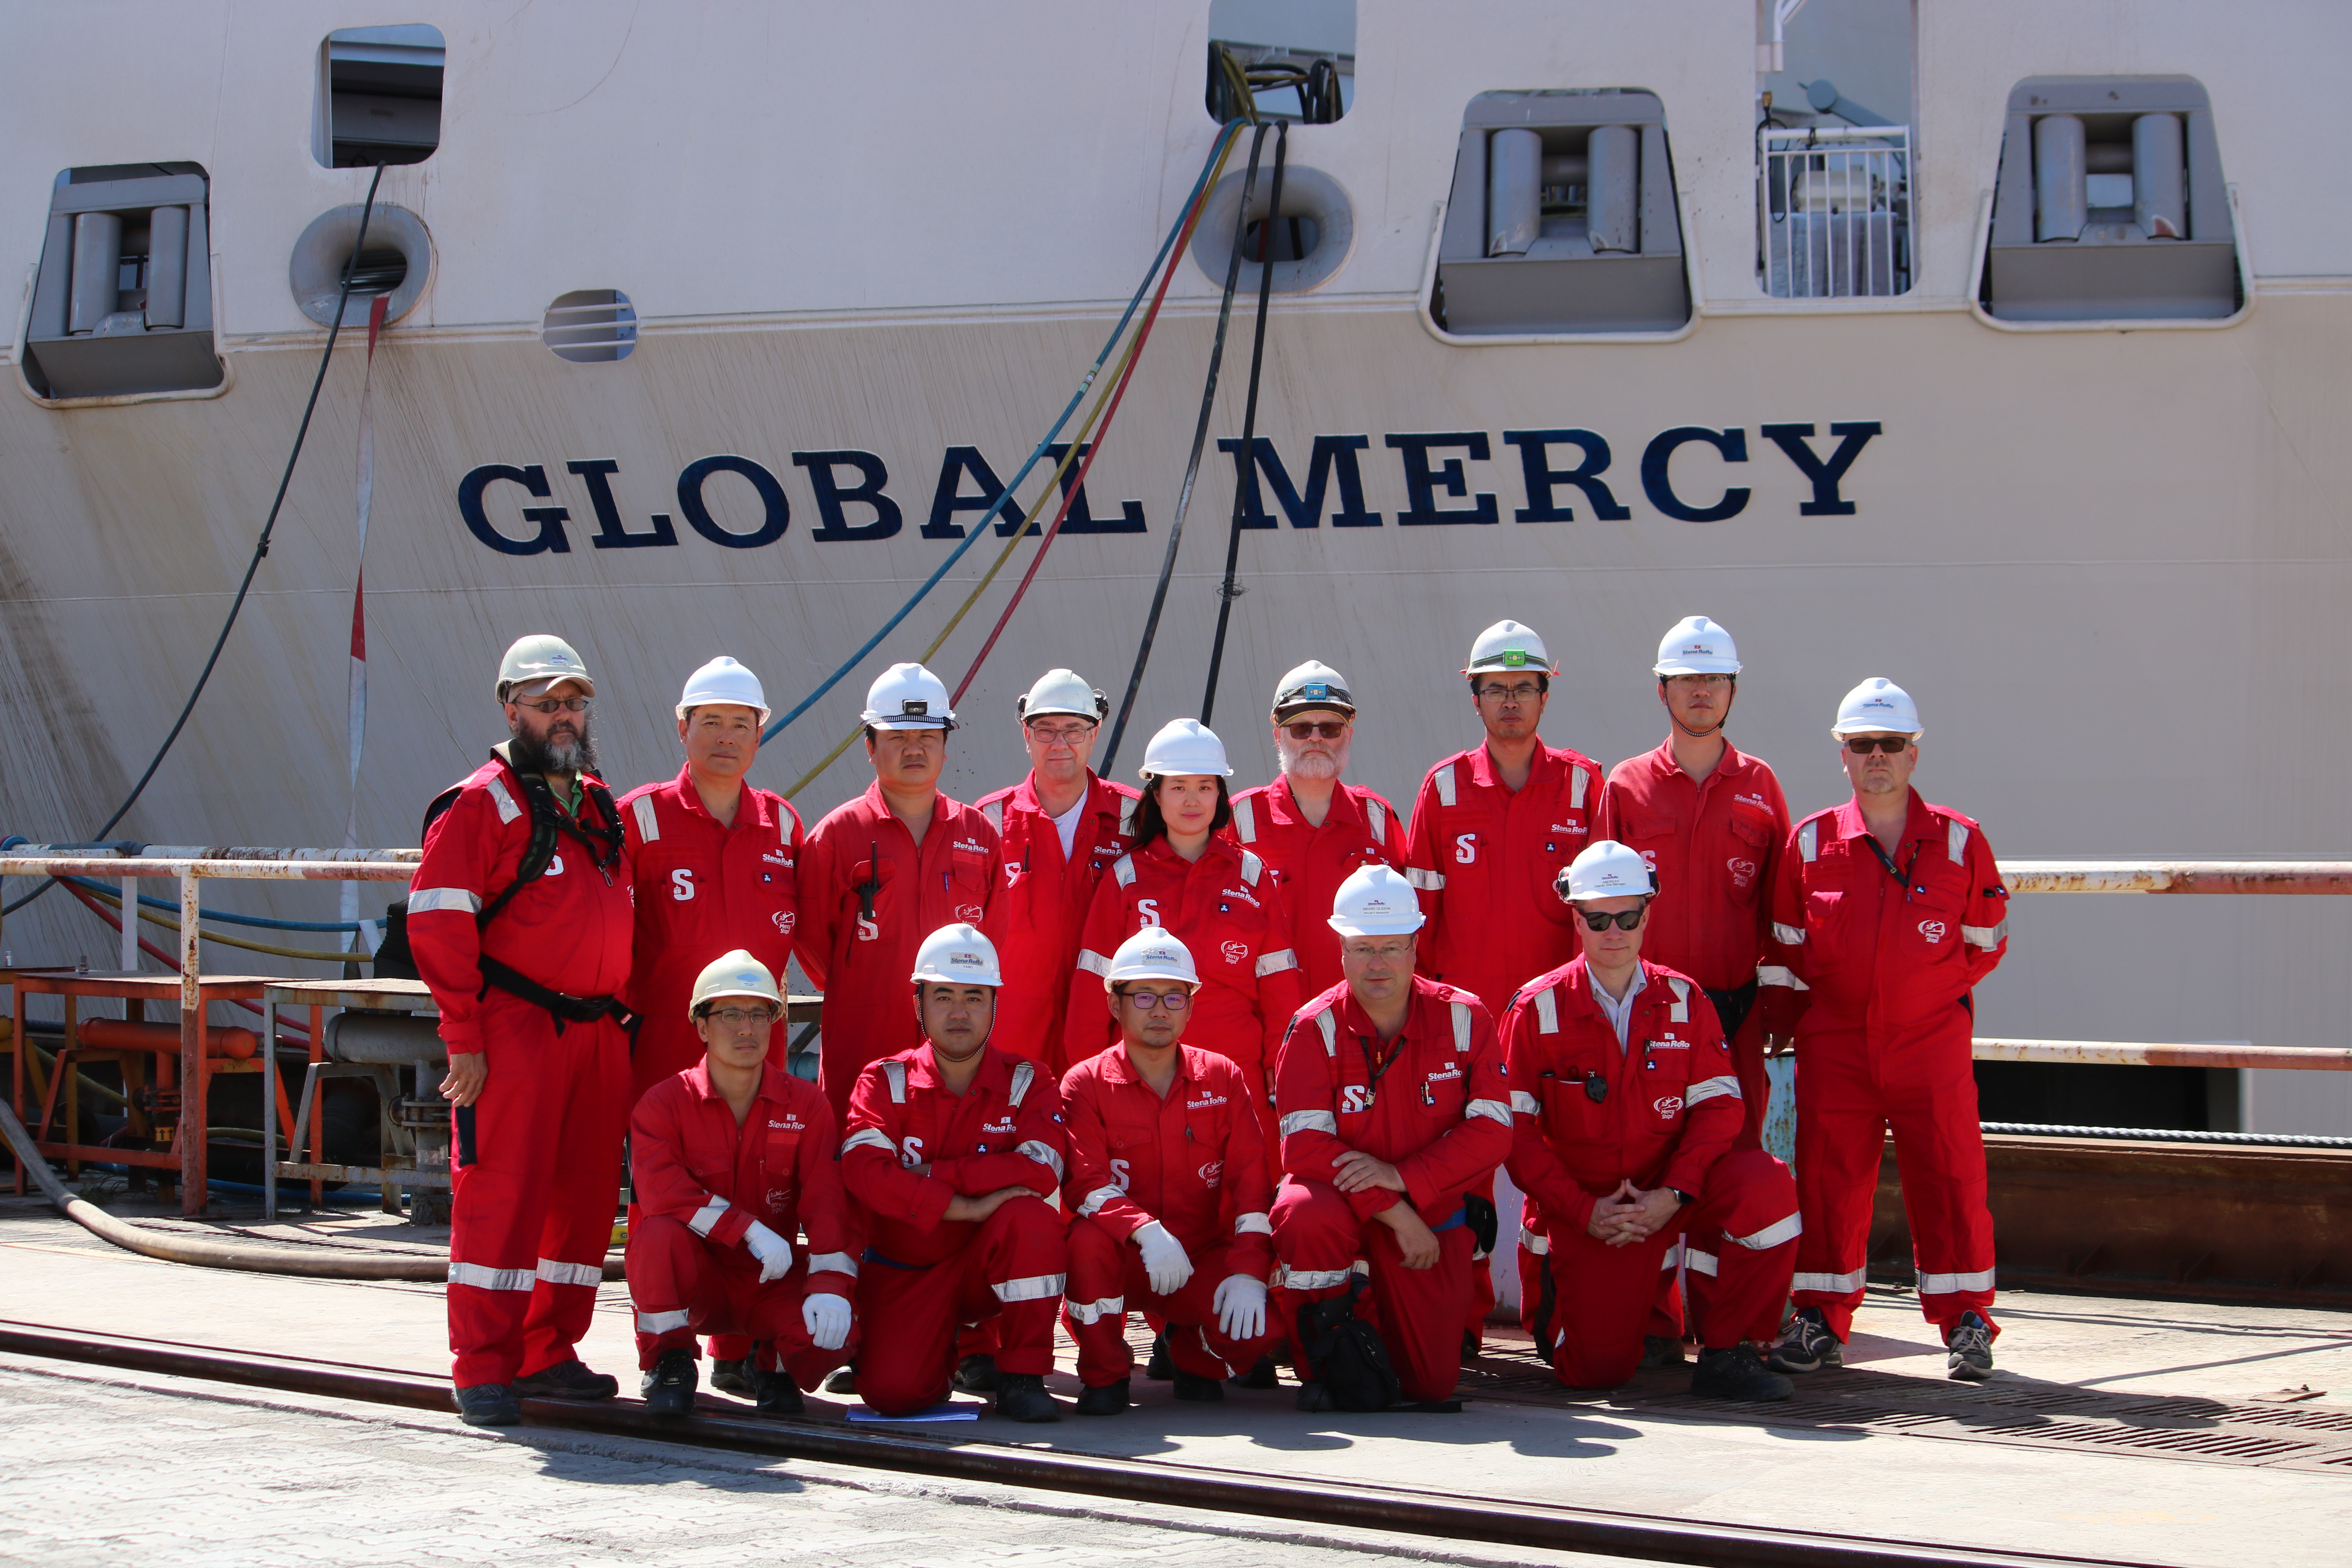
(1309, 827)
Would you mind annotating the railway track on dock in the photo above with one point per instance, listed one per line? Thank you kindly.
(1450, 1516)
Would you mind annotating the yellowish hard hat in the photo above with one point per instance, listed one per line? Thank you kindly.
(736, 973)
(541, 658)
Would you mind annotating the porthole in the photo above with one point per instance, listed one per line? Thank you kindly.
(591, 326)
(1312, 235)
(395, 259)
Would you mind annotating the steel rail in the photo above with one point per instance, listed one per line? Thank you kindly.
(2137, 1054)
(2309, 876)
(1451, 1515)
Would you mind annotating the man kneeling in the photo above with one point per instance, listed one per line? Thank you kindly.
(713, 1255)
(1168, 1179)
(1625, 1109)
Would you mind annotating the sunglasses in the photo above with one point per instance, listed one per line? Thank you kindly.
(1174, 1001)
(556, 704)
(1863, 745)
(1623, 920)
(1327, 730)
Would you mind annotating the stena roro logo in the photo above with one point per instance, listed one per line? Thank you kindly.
(785, 920)
(970, 913)
(1212, 1173)
(1742, 871)
(1934, 931)
(1668, 1106)
(1235, 951)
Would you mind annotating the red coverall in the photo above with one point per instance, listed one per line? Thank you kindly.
(1229, 912)
(1195, 1161)
(1883, 1032)
(1714, 848)
(1361, 830)
(924, 1275)
(536, 1159)
(863, 964)
(1434, 1103)
(1668, 1117)
(701, 1179)
(703, 891)
(1040, 909)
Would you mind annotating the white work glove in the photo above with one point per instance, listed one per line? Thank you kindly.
(1241, 1307)
(828, 1319)
(1165, 1261)
(774, 1253)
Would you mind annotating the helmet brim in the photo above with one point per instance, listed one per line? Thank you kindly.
(1374, 927)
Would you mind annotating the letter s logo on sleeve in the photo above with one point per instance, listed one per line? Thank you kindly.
(1354, 1099)
(681, 885)
(1119, 1170)
(1465, 849)
(1148, 910)
(911, 1152)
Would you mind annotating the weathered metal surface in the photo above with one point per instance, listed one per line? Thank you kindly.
(13, 864)
(221, 852)
(2177, 876)
(2137, 1054)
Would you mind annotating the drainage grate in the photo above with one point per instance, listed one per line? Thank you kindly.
(2204, 1443)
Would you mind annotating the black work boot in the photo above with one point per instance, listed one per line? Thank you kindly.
(1196, 1390)
(1262, 1375)
(1807, 1344)
(1736, 1371)
(1969, 1349)
(1022, 1397)
(1161, 1367)
(842, 1380)
(1471, 1344)
(1108, 1400)
(1314, 1399)
(734, 1377)
(670, 1387)
(1658, 1350)
(567, 1379)
(488, 1405)
(978, 1374)
(774, 1393)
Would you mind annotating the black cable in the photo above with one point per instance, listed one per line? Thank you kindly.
(1192, 468)
(1243, 487)
(261, 545)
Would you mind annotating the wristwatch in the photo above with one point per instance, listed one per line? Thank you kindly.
(1682, 1197)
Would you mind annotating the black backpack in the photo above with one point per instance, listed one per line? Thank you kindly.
(1348, 1354)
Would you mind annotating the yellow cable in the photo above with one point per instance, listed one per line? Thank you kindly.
(114, 903)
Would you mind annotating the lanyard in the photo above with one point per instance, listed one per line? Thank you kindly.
(1373, 1072)
(1903, 876)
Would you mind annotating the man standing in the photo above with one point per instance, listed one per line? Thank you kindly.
(1625, 1112)
(1313, 831)
(1059, 829)
(1710, 821)
(953, 1155)
(519, 918)
(1394, 1112)
(1889, 911)
(1168, 1188)
(713, 1254)
(883, 871)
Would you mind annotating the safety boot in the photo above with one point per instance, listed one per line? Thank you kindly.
(842, 1380)
(1807, 1344)
(774, 1394)
(734, 1377)
(1196, 1390)
(1108, 1399)
(488, 1405)
(1022, 1397)
(1659, 1349)
(567, 1379)
(1262, 1375)
(978, 1374)
(1162, 1366)
(668, 1388)
(1967, 1353)
(1736, 1371)
(1471, 1344)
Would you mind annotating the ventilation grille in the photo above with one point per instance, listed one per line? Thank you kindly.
(591, 326)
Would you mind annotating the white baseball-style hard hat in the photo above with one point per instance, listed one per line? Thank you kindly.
(1062, 691)
(537, 661)
(1310, 686)
(1878, 704)
(1697, 646)
(724, 681)
(1185, 746)
(1375, 901)
(736, 973)
(907, 697)
(1607, 869)
(957, 955)
(1507, 645)
(1152, 954)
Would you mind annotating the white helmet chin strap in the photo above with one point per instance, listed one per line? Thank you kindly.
(1714, 729)
(942, 1051)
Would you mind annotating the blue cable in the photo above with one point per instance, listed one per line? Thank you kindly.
(1231, 128)
(170, 906)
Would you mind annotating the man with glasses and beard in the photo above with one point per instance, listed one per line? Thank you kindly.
(520, 924)
(1313, 831)
(1888, 911)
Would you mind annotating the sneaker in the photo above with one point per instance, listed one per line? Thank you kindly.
(1194, 1390)
(668, 1388)
(1022, 1397)
(1262, 1375)
(842, 1380)
(567, 1379)
(1161, 1367)
(1969, 1349)
(1109, 1400)
(1736, 1371)
(978, 1374)
(1658, 1350)
(1807, 1344)
(734, 1377)
(488, 1405)
(774, 1393)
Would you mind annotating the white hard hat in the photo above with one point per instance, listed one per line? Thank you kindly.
(1375, 901)
(1152, 954)
(907, 697)
(736, 973)
(957, 955)
(1310, 686)
(724, 681)
(1697, 646)
(1507, 645)
(1062, 692)
(539, 659)
(1185, 746)
(1878, 704)
(1607, 869)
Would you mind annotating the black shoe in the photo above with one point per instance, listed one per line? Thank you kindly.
(1969, 1352)
(1471, 1344)
(567, 1379)
(488, 1405)
(1736, 1371)
(1658, 1350)
(1262, 1375)
(978, 1374)
(842, 1380)
(775, 1394)
(1109, 1400)
(734, 1377)
(1022, 1397)
(1195, 1390)
(1807, 1344)
(1314, 1399)
(1161, 1367)
(670, 1387)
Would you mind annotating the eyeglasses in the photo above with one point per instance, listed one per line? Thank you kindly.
(1623, 920)
(1706, 682)
(1863, 745)
(740, 1017)
(1174, 1001)
(552, 704)
(1062, 736)
(1525, 691)
(1326, 730)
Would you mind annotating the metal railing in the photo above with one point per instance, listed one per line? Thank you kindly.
(1833, 211)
